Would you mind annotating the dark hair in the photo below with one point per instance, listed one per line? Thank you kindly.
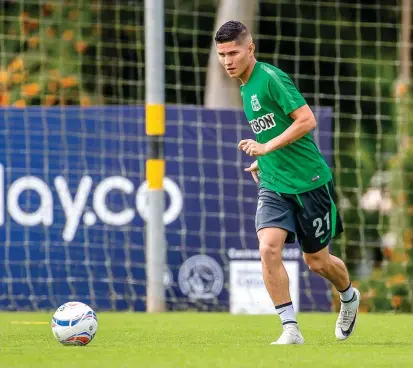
(231, 31)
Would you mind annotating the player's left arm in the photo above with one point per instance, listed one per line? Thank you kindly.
(304, 122)
(283, 92)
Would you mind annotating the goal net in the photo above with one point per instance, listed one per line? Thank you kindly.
(72, 183)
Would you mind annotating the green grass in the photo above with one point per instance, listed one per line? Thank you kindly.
(208, 340)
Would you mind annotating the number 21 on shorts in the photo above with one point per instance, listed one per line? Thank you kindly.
(318, 223)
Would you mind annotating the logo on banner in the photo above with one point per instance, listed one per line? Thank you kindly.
(201, 277)
(74, 201)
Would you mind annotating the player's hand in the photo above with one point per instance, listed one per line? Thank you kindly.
(253, 169)
(252, 148)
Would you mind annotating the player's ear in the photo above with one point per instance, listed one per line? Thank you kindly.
(251, 48)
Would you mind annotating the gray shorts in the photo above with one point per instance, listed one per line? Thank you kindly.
(311, 216)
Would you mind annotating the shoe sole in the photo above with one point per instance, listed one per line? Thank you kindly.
(301, 342)
(296, 343)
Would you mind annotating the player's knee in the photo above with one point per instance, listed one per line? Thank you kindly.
(271, 251)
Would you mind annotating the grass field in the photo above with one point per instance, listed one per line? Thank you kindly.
(207, 340)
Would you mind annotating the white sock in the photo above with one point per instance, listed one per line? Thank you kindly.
(286, 313)
(347, 294)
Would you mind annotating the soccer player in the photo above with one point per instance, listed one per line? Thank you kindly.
(295, 196)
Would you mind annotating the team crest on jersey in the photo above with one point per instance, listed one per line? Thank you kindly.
(255, 103)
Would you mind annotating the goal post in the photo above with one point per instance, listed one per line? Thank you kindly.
(155, 165)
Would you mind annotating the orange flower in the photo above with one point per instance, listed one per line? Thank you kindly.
(47, 9)
(4, 77)
(85, 101)
(31, 89)
(398, 279)
(49, 100)
(4, 99)
(29, 24)
(399, 257)
(68, 35)
(16, 64)
(388, 252)
(20, 103)
(68, 82)
(52, 86)
(33, 41)
(396, 301)
(80, 46)
(18, 78)
(401, 89)
(33, 24)
(50, 32)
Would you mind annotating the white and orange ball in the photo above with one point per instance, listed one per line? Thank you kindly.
(74, 323)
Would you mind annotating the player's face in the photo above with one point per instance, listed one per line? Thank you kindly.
(235, 57)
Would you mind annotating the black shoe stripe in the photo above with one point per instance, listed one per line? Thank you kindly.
(287, 322)
(350, 329)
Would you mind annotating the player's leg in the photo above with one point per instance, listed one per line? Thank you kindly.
(334, 270)
(330, 267)
(275, 227)
(271, 244)
(317, 223)
(276, 280)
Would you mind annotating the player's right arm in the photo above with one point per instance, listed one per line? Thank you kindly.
(253, 169)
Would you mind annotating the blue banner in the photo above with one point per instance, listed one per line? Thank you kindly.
(72, 207)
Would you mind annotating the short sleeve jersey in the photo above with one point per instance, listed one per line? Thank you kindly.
(269, 96)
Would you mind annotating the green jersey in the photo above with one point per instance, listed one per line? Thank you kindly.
(269, 97)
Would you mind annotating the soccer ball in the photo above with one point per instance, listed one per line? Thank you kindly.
(74, 323)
